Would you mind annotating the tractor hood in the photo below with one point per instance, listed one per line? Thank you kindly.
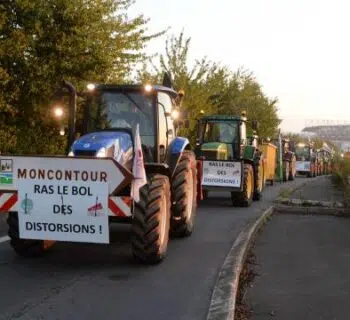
(216, 151)
(114, 144)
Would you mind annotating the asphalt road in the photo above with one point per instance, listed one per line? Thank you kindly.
(78, 281)
(303, 269)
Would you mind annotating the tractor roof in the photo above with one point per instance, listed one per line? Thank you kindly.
(220, 117)
(135, 87)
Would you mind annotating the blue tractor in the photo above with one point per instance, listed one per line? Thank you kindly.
(167, 202)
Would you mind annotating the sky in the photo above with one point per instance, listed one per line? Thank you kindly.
(299, 50)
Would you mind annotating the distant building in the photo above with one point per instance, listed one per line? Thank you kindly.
(338, 134)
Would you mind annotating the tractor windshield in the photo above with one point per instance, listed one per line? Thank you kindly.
(302, 153)
(219, 131)
(116, 109)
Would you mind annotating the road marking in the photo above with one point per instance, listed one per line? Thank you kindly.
(4, 239)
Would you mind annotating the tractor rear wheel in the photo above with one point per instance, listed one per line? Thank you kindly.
(245, 198)
(23, 247)
(184, 196)
(151, 221)
(259, 181)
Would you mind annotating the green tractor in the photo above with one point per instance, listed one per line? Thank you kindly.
(288, 158)
(228, 160)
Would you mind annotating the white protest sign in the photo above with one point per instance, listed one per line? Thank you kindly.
(63, 211)
(65, 199)
(303, 166)
(222, 174)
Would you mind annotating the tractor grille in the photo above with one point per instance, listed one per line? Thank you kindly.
(209, 155)
(84, 153)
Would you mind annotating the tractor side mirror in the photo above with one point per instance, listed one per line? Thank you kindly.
(255, 125)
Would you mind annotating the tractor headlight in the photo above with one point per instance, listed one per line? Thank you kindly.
(175, 114)
(101, 153)
(148, 88)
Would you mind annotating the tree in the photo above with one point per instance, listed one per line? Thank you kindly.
(213, 88)
(44, 41)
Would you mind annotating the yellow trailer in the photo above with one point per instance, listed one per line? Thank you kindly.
(270, 154)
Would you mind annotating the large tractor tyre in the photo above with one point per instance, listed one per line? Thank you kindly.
(258, 181)
(151, 221)
(245, 198)
(292, 169)
(23, 247)
(184, 196)
(285, 171)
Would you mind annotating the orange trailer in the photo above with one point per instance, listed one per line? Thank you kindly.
(269, 151)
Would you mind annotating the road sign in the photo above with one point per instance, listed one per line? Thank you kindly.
(63, 198)
(16, 168)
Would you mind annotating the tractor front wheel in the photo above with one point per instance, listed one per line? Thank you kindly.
(184, 194)
(151, 221)
(245, 198)
(24, 247)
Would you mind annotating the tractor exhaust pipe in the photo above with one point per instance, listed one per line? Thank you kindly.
(72, 112)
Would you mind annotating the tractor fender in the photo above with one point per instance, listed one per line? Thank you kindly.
(288, 156)
(174, 152)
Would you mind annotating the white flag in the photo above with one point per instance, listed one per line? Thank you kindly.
(138, 168)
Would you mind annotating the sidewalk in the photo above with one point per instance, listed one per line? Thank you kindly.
(303, 264)
(320, 189)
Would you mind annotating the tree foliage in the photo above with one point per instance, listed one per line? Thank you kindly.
(212, 88)
(44, 41)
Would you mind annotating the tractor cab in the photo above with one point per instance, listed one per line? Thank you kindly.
(303, 152)
(229, 163)
(306, 159)
(112, 113)
(220, 137)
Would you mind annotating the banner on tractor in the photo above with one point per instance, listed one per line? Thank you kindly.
(62, 198)
(303, 166)
(222, 174)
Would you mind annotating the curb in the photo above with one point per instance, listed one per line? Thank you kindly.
(312, 210)
(223, 300)
(308, 203)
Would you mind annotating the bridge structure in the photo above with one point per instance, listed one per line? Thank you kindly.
(336, 131)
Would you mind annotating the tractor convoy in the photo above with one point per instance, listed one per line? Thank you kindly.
(126, 162)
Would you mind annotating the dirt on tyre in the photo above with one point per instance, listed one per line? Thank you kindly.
(258, 180)
(184, 196)
(151, 221)
(245, 198)
(23, 247)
